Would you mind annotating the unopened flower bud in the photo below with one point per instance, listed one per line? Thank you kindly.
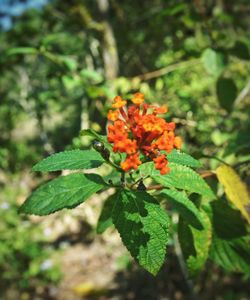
(105, 154)
(98, 146)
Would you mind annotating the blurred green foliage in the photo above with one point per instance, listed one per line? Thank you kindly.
(26, 258)
(193, 56)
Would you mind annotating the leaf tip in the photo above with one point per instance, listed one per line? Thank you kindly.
(35, 168)
(21, 209)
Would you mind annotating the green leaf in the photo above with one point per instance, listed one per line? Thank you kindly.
(22, 50)
(143, 227)
(146, 169)
(186, 239)
(184, 207)
(226, 92)
(71, 82)
(182, 158)
(195, 244)
(235, 189)
(183, 177)
(233, 256)
(63, 192)
(227, 222)
(105, 219)
(214, 61)
(240, 50)
(91, 75)
(175, 156)
(70, 160)
(69, 62)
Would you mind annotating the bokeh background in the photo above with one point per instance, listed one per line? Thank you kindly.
(61, 64)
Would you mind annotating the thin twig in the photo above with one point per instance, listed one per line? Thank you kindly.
(243, 93)
(189, 123)
(138, 180)
(123, 182)
(166, 70)
(181, 260)
(114, 166)
(241, 163)
(155, 187)
(159, 187)
(216, 158)
(205, 174)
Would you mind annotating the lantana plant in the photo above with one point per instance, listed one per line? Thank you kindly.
(157, 193)
(141, 134)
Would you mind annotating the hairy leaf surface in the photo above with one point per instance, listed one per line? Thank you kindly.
(233, 256)
(182, 158)
(62, 192)
(184, 207)
(183, 177)
(70, 160)
(143, 226)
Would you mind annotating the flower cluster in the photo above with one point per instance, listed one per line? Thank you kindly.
(137, 129)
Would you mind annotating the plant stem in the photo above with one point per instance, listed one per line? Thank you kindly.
(114, 166)
(205, 174)
(181, 260)
(216, 158)
(155, 187)
(138, 180)
(167, 69)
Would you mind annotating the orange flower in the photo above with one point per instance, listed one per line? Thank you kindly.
(138, 98)
(164, 170)
(122, 144)
(165, 141)
(119, 102)
(160, 164)
(130, 146)
(139, 131)
(119, 143)
(152, 123)
(117, 132)
(161, 110)
(119, 126)
(131, 162)
(170, 126)
(113, 115)
(177, 142)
